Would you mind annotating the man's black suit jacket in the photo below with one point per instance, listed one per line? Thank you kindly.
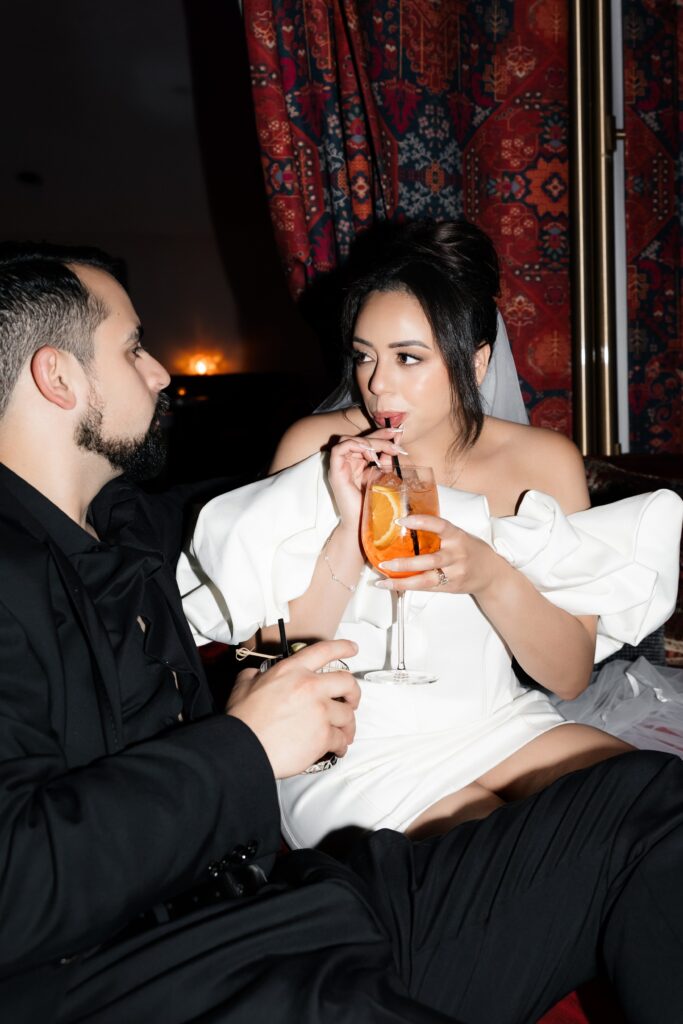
(91, 834)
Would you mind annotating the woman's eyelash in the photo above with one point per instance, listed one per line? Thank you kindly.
(363, 357)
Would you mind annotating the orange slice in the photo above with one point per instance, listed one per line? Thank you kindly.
(385, 507)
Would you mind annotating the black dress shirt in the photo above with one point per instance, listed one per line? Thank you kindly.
(157, 680)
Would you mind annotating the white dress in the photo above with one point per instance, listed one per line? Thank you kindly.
(255, 549)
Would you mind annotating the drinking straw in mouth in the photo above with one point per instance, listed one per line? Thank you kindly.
(396, 466)
(283, 638)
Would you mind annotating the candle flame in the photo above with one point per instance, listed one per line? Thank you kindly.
(203, 362)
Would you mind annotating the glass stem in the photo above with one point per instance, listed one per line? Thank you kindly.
(400, 597)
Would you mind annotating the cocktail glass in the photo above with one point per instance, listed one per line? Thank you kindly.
(389, 495)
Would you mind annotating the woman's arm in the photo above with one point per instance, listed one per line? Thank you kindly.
(302, 439)
(554, 647)
(316, 434)
(317, 613)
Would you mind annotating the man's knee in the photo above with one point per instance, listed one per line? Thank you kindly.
(641, 769)
(643, 790)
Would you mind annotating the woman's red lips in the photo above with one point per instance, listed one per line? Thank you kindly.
(395, 418)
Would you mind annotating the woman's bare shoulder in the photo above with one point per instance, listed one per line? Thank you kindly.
(313, 434)
(545, 460)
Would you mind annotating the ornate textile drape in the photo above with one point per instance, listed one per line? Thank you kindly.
(415, 108)
(653, 101)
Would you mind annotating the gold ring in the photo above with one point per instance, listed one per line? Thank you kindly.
(443, 578)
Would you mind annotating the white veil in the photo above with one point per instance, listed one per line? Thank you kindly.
(500, 392)
(501, 395)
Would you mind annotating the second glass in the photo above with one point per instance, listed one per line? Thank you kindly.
(389, 495)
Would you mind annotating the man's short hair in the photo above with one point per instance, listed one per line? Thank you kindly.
(43, 302)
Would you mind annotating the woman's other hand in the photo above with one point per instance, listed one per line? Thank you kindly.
(464, 564)
(536, 632)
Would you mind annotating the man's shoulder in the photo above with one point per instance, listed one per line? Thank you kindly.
(23, 560)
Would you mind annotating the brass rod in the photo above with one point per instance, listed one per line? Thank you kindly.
(580, 220)
(603, 177)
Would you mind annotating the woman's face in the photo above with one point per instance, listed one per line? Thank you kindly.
(399, 368)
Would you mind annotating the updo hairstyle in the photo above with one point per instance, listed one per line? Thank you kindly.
(452, 269)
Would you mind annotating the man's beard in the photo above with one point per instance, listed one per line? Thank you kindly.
(140, 458)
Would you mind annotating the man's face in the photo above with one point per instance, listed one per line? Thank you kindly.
(122, 423)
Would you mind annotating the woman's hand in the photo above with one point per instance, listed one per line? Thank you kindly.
(349, 458)
(463, 564)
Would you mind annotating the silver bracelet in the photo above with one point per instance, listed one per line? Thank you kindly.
(336, 578)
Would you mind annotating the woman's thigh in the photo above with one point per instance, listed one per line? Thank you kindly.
(467, 804)
(545, 758)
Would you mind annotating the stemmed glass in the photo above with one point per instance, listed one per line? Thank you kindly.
(390, 494)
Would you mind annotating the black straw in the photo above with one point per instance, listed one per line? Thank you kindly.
(396, 466)
(283, 638)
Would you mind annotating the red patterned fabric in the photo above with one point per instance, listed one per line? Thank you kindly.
(414, 108)
(516, 187)
(653, 100)
(321, 143)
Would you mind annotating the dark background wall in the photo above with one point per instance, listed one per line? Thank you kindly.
(101, 146)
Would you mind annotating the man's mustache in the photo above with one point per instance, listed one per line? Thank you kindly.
(163, 404)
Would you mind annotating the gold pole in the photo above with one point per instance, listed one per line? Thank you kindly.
(593, 140)
(581, 219)
(604, 147)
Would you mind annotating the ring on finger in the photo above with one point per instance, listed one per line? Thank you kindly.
(443, 578)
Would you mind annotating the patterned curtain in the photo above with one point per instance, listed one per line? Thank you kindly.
(419, 108)
(653, 101)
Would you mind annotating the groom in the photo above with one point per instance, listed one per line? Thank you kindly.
(139, 827)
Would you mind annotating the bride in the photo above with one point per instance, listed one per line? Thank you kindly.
(527, 576)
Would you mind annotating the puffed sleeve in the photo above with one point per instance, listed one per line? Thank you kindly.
(254, 550)
(619, 561)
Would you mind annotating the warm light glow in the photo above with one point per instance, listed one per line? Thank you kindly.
(202, 360)
(204, 363)
(181, 392)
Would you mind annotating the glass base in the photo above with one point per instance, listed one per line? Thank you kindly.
(399, 677)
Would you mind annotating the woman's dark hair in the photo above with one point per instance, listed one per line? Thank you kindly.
(452, 270)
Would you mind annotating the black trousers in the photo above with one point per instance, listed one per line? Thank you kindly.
(491, 924)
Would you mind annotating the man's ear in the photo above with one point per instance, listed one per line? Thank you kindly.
(50, 372)
(481, 362)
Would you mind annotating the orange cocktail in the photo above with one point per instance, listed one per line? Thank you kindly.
(389, 497)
